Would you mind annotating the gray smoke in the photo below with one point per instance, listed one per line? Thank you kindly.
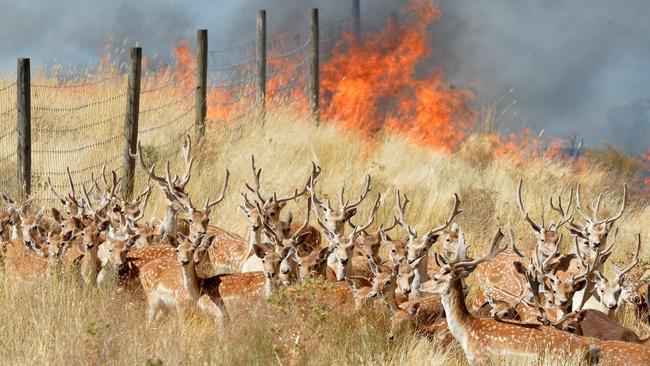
(576, 66)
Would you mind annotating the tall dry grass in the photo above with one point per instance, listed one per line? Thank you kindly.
(58, 321)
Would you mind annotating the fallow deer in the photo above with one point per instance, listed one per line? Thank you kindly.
(481, 339)
(340, 260)
(608, 292)
(418, 247)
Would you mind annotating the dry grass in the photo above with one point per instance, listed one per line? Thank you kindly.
(58, 321)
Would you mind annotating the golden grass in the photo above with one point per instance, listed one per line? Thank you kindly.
(58, 321)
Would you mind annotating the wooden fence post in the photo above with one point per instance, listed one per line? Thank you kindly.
(131, 120)
(200, 103)
(314, 77)
(24, 113)
(356, 17)
(261, 64)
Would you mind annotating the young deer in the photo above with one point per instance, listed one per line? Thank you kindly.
(173, 282)
(481, 339)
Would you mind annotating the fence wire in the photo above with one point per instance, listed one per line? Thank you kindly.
(79, 123)
(8, 139)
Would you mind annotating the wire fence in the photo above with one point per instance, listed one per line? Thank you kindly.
(79, 123)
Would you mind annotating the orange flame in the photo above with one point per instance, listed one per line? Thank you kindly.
(374, 84)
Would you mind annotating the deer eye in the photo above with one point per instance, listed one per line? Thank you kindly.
(393, 251)
(190, 220)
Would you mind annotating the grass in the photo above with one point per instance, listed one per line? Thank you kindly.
(58, 321)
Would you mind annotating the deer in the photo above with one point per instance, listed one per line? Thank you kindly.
(169, 224)
(271, 206)
(173, 282)
(340, 259)
(607, 296)
(481, 339)
(231, 247)
(418, 247)
(501, 273)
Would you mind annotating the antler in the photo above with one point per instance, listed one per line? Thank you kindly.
(564, 214)
(146, 194)
(256, 175)
(189, 161)
(359, 229)
(493, 252)
(454, 212)
(208, 203)
(633, 262)
(114, 185)
(579, 206)
(368, 187)
(610, 220)
(150, 170)
(401, 220)
(524, 214)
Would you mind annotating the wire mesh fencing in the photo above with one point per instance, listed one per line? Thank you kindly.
(79, 123)
(8, 138)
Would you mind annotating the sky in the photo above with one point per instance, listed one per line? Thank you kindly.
(577, 67)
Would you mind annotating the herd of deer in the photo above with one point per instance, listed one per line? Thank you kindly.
(529, 302)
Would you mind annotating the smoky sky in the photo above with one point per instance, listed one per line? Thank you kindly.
(577, 67)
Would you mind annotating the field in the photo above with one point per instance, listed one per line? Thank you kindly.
(395, 119)
(59, 321)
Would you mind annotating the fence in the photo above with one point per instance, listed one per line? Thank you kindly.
(90, 124)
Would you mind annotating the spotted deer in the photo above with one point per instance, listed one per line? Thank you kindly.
(482, 339)
(500, 275)
(230, 248)
(340, 259)
(271, 207)
(174, 283)
(607, 296)
(417, 248)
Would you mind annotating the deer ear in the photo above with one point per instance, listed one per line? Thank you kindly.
(209, 241)
(416, 262)
(349, 213)
(133, 239)
(259, 251)
(432, 239)
(173, 241)
(67, 236)
(104, 225)
(519, 267)
(56, 214)
(287, 252)
(578, 286)
(577, 232)
(415, 309)
(324, 253)
(354, 286)
(385, 238)
(42, 231)
(77, 223)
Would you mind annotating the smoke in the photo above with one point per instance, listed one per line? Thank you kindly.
(574, 65)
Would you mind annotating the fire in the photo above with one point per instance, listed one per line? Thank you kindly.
(374, 84)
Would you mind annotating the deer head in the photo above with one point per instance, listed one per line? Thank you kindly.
(344, 245)
(453, 269)
(418, 247)
(314, 264)
(336, 218)
(408, 278)
(270, 204)
(609, 291)
(32, 233)
(594, 233)
(548, 238)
